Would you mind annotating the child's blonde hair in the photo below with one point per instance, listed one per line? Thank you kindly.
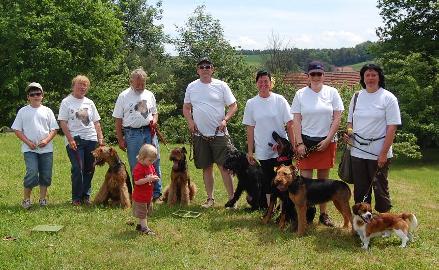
(147, 151)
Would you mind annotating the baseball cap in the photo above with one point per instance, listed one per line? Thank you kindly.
(315, 66)
(204, 60)
(34, 85)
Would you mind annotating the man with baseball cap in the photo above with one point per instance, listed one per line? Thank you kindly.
(204, 109)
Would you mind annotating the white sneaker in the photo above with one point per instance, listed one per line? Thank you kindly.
(26, 204)
(209, 203)
(43, 202)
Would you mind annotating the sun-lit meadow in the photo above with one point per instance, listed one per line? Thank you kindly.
(99, 237)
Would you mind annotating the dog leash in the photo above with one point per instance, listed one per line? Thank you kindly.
(369, 190)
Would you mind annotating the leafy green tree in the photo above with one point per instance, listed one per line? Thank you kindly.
(409, 26)
(144, 36)
(52, 41)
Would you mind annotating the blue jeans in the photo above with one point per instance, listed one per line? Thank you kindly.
(82, 168)
(134, 139)
(38, 169)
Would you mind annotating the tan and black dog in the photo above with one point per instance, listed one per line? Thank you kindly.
(117, 184)
(181, 188)
(304, 192)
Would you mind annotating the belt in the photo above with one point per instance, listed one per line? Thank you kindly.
(139, 128)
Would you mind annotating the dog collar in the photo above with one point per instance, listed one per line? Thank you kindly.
(280, 159)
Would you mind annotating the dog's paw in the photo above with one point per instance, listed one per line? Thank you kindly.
(229, 204)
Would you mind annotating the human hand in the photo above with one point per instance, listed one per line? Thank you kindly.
(122, 144)
(251, 159)
(72, 145)
(101, 142)
(42, 143)
(222, 125)
(301, 150)
(31, 145)
(152, 178)
(382, 160)
(323, 144)
(192, 126)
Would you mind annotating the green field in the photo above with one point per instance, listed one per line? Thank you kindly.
(99, 237)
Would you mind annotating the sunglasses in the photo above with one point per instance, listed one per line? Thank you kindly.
(205, 67)
(35, 94)
(315, 74)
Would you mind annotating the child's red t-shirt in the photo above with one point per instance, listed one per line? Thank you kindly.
(142, 193)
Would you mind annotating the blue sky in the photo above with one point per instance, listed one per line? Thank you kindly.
(299, 24)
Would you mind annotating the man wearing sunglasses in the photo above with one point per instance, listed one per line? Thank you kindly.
(204, 109)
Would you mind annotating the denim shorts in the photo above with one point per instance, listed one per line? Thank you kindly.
(38, 169)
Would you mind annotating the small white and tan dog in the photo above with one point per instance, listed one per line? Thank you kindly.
(368, 225)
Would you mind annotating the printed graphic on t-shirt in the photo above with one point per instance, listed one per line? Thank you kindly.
(83, 116)
(142, 108)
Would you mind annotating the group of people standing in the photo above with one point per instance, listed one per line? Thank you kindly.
(312, 120)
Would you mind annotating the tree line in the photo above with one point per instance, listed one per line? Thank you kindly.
(53, 41)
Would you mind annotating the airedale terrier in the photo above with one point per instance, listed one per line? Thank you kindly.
(304, 191)
(181, 188)
(117, 184)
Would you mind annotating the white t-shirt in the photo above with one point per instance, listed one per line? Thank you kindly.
(267, 115)
(316, 109)
(373, 113)
(208, 101)
(135, 109)
(36, 124)
(80, 115)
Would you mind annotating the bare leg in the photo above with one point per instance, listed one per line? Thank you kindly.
(27, 192)
(43, 192)
(208, 181)
(227, 180)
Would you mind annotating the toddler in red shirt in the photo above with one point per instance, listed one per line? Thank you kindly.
(144, 176)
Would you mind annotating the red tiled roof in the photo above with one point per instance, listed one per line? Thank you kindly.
(300, 80)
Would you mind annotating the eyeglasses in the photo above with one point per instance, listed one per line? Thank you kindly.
(315, 74)
(205, 67)
(35, 94)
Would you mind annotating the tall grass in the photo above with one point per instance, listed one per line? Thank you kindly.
(99, 237)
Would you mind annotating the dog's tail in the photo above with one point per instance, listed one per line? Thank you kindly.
(411, 219)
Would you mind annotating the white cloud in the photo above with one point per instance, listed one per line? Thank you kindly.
(246, 42)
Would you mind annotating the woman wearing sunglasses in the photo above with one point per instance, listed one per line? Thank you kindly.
(317, 110)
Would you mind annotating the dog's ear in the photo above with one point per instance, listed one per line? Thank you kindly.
(275, 168)
(183, 150)
(355, 209)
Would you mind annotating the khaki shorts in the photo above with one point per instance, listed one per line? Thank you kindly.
(208, 152)
(140, 210)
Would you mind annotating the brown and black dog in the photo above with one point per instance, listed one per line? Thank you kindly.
(181, 188)
(117, 184)
(304, 192)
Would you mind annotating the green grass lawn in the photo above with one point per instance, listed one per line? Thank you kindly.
(99, 238)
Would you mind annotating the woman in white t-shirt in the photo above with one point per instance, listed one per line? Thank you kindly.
(317, 110)
(375, 120)
(79, 120)
(263, 114)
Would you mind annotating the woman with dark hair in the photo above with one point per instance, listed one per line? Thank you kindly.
(263, 114)
(372, 126)
(317, 110)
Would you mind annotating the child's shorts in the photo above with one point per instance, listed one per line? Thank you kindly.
(38, 169)
(140, 210)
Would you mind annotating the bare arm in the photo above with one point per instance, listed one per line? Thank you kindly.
(119, 134)
(290, 132)
(297, 128)
(49, 137)
(251, 144)
(148, 179)
(66, 131)
(99, 133)
(390, 136)
(24, 139)
(232, 109)
(336, 118)
(187, 112)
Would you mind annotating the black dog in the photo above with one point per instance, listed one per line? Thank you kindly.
(249, 180)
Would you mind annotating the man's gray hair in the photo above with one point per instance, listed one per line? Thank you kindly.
(138, 72)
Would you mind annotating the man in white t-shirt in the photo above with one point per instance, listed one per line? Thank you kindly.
(204, 109)
(136, 116)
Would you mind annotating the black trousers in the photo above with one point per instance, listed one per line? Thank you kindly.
(364, 172)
